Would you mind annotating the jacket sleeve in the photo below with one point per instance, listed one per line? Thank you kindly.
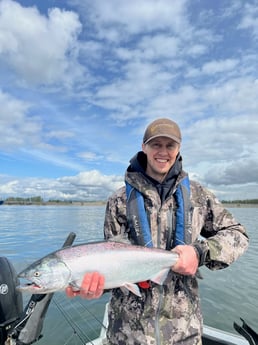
(115, 224)
(222, 239)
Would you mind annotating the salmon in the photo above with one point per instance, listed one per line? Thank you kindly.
(123, 265)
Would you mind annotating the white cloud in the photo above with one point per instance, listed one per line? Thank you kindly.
(221, 140)
(42, 50)
(78, 87)
(213, 67)
(159, 46)
(115, 20)
(10, 187)
(90, 156)
(61, 134)
(234, 96)
(94, 179)
(236, 173)
(17, 128)
(249, 19)
(86, 186)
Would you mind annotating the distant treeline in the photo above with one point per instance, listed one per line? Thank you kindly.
(40, 200)
(23, 200)
(36, 200)
(247, 201)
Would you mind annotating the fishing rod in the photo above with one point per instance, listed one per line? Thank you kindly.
(72, 324)
(100, 322)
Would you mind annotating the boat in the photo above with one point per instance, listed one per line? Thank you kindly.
(211, 335)
(20, 325)
(1, 202)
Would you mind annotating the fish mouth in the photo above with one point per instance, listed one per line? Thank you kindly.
(34, 285)
(30, 286)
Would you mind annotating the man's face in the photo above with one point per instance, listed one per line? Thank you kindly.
(161, 155)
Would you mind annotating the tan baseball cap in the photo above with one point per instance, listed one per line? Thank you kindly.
(162, 128)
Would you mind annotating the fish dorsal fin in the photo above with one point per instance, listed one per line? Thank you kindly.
(160, 277)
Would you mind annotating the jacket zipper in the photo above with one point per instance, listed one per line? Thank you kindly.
(158, 232)
(160, 288)
(170, 220)
(157, 329)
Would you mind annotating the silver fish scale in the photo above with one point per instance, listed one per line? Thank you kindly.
(120, 263)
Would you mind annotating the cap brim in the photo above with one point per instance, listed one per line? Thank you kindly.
(176, 139)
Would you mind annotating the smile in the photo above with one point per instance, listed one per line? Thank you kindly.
(162, 160)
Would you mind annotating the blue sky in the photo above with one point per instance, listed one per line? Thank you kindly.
(80, 80)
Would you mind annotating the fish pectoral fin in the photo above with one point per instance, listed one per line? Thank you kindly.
(133, 288)
(160, 277)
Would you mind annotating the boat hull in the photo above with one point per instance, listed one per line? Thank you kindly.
(211, 336)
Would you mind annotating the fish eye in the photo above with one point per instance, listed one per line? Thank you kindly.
(36, 274)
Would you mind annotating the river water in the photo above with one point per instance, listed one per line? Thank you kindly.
(30, 232)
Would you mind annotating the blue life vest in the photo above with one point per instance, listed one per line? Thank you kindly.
(138, 221)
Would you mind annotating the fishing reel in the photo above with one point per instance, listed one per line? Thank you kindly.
(20, 326)
(11, 304)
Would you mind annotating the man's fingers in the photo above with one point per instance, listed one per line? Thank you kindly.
(100, 287)
(94, 282)
(86, 282)
(92, 285)
(187, 262)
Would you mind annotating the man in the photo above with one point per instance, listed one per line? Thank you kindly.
(159, 207)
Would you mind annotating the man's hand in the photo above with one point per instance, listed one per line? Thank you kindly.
(188, 260)
(92, 287)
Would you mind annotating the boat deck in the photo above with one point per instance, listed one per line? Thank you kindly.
(211, 336)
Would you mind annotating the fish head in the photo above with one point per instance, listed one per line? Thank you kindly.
(46, 275)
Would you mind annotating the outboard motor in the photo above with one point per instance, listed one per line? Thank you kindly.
(18, 326)
(11, 304)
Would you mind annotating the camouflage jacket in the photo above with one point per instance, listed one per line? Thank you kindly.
(169, 314)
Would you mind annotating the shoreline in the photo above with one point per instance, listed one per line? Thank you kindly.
(239, 205)
(102, 203)
(53, 203)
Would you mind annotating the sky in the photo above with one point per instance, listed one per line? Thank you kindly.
(81, 80)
